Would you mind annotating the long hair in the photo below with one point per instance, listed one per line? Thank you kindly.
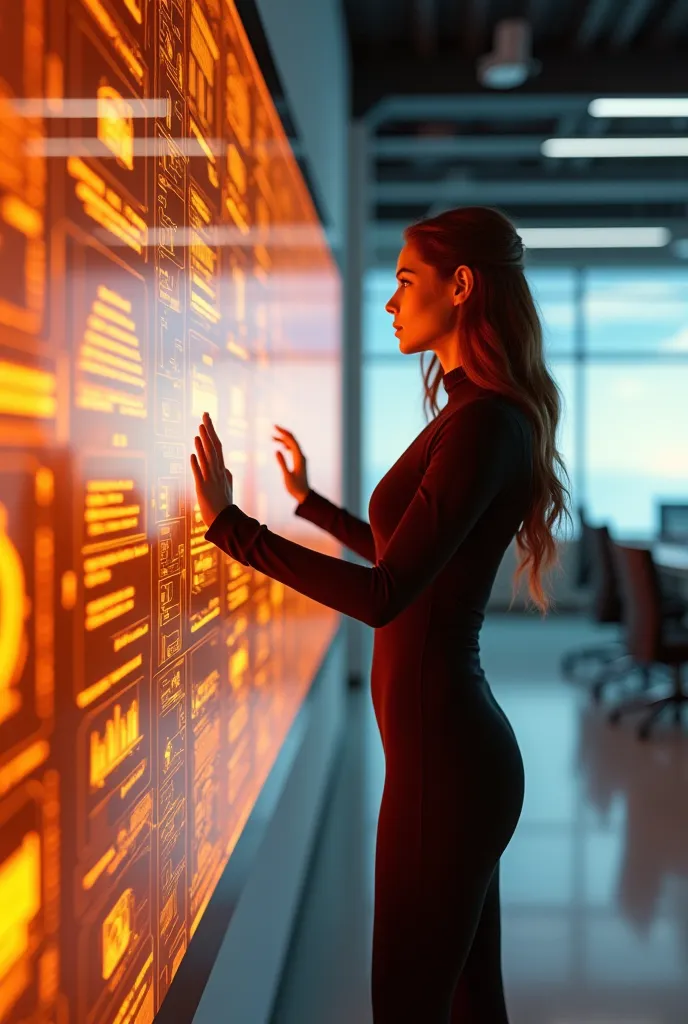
(500, 347)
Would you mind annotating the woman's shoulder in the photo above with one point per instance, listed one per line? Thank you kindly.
(483, 416)
(482, 405)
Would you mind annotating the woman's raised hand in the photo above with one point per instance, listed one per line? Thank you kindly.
(214, 484)
(295, 479)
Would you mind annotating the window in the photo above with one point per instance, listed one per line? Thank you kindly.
(553, 289)
(636, 311)
(379, 339)
(565, 375)
(636, 442)
(623, 433)
(392, 415)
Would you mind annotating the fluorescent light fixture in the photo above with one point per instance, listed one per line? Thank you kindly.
(595, 238)
(677, 146)
(673, 106)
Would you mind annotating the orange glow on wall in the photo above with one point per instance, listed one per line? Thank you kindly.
(158, 260)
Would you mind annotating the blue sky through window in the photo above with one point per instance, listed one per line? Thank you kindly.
(624, 427)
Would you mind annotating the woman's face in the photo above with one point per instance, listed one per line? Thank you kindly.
(425, 308)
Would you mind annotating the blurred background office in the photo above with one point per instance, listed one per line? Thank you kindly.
(572, 118)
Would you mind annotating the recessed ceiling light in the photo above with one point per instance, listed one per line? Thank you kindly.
(641, 147)
(595, 238)
(655, 106)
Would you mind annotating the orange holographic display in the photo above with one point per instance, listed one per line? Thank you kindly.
(161, 256)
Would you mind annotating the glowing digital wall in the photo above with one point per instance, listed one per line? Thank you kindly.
(160, 256)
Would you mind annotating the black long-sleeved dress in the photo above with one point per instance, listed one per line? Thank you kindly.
(441, 520)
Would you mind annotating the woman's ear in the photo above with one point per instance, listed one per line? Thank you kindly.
(463, 284)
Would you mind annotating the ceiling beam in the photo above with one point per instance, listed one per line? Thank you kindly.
(483, 106)
(565, 192)
(457, 147)
(565, 82)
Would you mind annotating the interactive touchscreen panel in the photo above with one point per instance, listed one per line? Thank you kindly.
(160, 256)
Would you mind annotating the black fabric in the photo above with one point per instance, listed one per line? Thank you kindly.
(441, 520)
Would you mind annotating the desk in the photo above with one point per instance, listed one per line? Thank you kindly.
(671, 558)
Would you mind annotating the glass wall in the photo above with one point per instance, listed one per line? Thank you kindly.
(616, 342)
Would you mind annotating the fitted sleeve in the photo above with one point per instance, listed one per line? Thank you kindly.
(473, 455)
(352, 532)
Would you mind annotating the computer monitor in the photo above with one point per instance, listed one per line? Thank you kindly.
(673, 523)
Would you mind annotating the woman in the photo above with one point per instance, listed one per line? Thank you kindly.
(481, 472)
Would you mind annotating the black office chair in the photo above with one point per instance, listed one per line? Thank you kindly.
(652, 639)
(613, 660)
(610, 661)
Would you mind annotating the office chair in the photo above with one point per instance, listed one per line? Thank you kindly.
(596, 565)
(651, 638)
(607, 606)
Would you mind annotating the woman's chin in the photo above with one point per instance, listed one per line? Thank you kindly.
(406, 346)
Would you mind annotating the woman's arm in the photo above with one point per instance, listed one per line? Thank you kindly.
(352, 532)
(474, 455)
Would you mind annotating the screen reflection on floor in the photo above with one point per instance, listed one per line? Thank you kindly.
(160, 256)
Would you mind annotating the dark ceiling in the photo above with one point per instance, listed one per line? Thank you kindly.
(465, 27)
(439, 138)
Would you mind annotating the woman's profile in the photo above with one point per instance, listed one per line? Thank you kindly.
(483, 471)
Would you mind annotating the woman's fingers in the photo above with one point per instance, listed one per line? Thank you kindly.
(214, 460)
(202, 458)
(288, 438)
(210, 427)
(208, 446)
(196, 470)
(212, 445)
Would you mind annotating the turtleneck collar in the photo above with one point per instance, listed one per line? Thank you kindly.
(453, 378)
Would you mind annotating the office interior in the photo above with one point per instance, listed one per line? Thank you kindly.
(201, 207)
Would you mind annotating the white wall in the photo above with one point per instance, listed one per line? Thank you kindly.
(309, 45)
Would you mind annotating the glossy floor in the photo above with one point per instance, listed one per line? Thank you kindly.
(594, 883)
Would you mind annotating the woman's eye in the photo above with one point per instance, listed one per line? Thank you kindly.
(403, 281)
